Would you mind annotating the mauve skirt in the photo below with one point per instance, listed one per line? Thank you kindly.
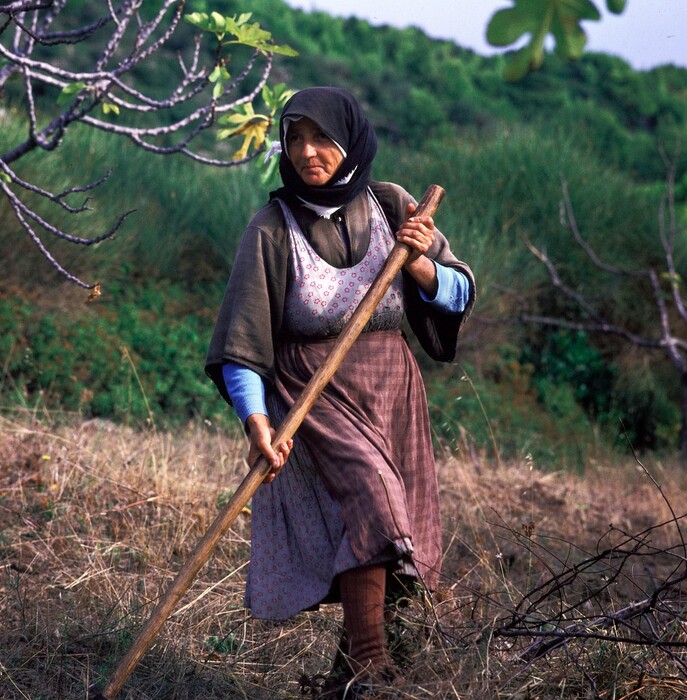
(359, 486)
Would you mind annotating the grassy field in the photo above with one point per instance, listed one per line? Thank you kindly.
(554, 585)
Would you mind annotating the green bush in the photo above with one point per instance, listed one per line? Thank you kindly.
(502, 413)
(128, 359)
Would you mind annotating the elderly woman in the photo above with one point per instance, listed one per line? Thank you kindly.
(356, 503)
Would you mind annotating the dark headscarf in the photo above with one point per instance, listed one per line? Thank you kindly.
(341, 117)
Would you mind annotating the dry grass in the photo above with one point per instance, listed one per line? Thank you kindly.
(95, 520)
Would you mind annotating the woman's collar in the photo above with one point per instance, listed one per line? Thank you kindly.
(321, 211)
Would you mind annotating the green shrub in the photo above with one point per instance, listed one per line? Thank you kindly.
(138, 360)
(502, 412)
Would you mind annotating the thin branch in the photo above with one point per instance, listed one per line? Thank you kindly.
(676, 520)
(46, 253)
(558, 283)
(553, 639)
(601, 327)
(23, 6)
(670, 343)
(126, 11)
(571, 223)
(126, 42)
(674, 347)
(21, 211)
(74, 36)
(668, 231)
(59, 197)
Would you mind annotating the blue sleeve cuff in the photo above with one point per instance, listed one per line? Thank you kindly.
(245, 389)
(453, 290)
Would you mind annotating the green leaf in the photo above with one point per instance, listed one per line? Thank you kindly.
(222, 645)
(253, 35)
(219, 72)
(215, 75)
(269, 172)
(538, 19)
(218, 89)
(277, 98)
(615, 6)
(69, 92)
(110, 108)
(199, 19)
(217, 23)
(5, 178)
(250, 34)
(283, 50)
(570, 42)
(522, 62)
(243, 32)
(507, 26)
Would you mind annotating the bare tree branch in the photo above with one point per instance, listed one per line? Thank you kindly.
(555, 604)
(74, 36)
(58, 95)
(56, 198)
(557, 282)
(569, 221)
(668, 333)
(668, 230)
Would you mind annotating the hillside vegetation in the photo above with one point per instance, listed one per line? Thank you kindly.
(444, 115)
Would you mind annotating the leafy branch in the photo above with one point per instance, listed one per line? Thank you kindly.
(112, 95)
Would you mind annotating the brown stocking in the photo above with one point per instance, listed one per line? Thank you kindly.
(362, 599)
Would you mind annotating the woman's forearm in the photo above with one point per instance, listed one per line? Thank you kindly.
(424, 272)
(246, 390)
(451, 288)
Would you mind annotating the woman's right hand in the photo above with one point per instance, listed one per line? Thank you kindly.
(261, 435)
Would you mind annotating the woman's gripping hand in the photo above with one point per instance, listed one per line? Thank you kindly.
(261, 435)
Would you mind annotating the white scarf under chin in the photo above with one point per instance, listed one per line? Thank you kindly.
(326, 212)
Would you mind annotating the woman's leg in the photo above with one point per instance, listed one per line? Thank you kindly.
(362, 599)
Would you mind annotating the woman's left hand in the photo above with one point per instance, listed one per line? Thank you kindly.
(418, 233)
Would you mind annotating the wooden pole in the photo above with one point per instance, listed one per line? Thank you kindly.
(205, 546)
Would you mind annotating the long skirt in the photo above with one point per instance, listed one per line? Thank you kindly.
(359, 486)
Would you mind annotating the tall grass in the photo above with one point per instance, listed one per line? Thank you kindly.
(95, 520)
(505, 188)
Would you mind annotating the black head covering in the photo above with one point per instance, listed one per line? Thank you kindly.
(341, 117)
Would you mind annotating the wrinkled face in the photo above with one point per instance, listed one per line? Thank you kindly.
(314, 155)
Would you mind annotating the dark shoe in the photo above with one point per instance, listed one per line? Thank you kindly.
(359, 689)
(348, 686)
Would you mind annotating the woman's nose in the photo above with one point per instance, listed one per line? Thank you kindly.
(309, 150)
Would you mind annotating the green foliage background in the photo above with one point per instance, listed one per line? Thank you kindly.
(444, 115)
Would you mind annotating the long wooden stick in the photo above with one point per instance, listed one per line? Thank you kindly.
(205, 546)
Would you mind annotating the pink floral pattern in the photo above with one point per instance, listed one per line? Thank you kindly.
(321, 298)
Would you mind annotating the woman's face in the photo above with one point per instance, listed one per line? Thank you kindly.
(313, 154)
